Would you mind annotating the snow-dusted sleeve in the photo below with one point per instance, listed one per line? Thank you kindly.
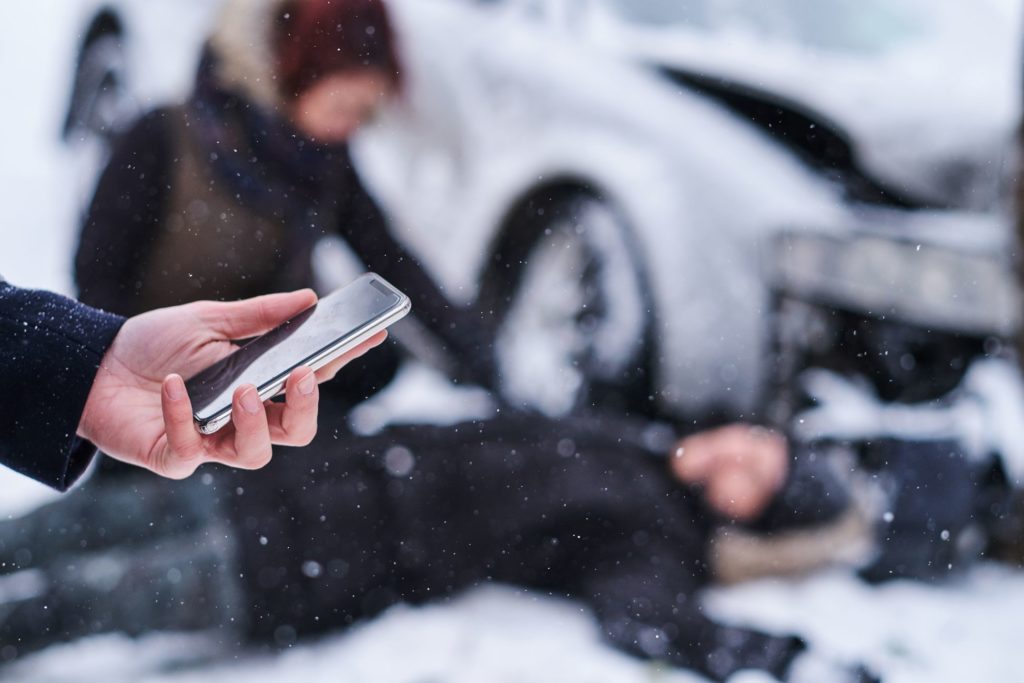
(812, 494)
(50, 350)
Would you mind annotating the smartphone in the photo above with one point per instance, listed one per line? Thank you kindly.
(337, 323)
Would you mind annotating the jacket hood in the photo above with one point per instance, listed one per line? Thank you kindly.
(241, 43)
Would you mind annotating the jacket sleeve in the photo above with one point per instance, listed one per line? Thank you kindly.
(123, 220)
(463, 335)
(50, 350)
(813, 494)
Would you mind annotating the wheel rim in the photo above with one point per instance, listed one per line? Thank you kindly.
(577, 318)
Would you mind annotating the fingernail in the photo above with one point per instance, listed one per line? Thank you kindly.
(250, 401)
(307, 384)
(175, 388)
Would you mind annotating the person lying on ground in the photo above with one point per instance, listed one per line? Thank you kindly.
(574, 508)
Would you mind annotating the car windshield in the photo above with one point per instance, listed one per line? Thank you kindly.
(841, 25)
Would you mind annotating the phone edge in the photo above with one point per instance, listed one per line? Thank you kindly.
(216, 422)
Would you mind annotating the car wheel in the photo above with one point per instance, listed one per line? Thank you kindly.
(100, 103)
(570, 302)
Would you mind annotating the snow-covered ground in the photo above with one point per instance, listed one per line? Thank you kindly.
(911, 632)
(967, 630)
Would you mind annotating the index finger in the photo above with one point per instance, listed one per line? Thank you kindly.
(327, 372)
(256, 316)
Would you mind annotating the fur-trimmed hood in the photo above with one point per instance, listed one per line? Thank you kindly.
(241, 43)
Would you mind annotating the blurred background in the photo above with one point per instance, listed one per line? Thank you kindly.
(667, 205)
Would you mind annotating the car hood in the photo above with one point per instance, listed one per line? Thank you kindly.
(933, 120)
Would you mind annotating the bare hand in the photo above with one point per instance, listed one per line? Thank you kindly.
(138, 410)
(741, 467)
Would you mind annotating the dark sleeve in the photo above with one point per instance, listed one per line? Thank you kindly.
(50, 350)
(463, 335)
(813, 494)
(123, 220)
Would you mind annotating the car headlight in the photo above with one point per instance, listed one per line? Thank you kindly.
(933, 286)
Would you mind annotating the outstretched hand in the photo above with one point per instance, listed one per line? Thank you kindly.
(139, 412)
(741, 467)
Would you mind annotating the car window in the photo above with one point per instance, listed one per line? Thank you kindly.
(841, 25)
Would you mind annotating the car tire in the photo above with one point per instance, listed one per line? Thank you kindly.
(570, 304)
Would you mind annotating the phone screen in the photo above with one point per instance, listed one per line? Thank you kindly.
(268, 359)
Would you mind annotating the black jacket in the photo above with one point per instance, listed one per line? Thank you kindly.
(50, 350)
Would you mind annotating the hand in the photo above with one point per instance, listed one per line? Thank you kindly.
(741, 467)
(138, 411)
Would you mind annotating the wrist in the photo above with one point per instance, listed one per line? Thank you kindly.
(98, 399)
(84, 430)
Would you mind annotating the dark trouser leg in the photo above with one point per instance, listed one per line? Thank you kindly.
(177, 582)
(99, 516)
(934, 490)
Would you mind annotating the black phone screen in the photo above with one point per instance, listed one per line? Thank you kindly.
(266, 360)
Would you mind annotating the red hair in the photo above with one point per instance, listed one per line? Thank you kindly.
(316, 38)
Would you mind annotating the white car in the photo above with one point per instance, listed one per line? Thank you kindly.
(617, 217)
(919, 98)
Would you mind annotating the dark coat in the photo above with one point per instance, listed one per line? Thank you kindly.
(50, 350)
(569, 507)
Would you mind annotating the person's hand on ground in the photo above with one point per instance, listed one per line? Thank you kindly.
(138, 410)
(741, 467)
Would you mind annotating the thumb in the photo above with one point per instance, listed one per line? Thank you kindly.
(256, 316)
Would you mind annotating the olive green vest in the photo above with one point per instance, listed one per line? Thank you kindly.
(211, 245)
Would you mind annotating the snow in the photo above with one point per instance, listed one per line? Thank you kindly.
(983, 413)
(964, 630)
(911, 632)
(421, 395)
(494, 634)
